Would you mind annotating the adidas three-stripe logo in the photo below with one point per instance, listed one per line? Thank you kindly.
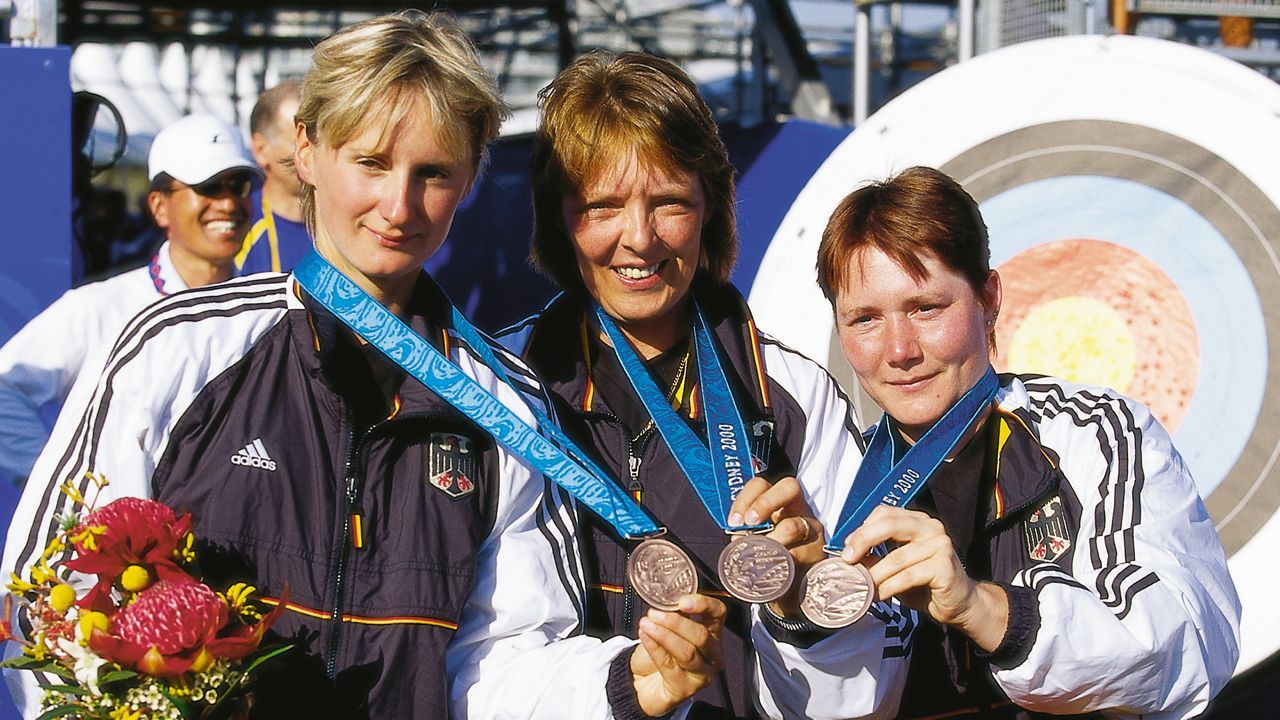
(254, 455)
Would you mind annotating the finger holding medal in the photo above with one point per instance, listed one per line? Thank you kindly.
(1017, 512)
(924, 572)
(456, 557)
(658, 370)
(794, 527)
(679, 653)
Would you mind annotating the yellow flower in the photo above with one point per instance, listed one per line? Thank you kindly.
(135, 578)
(42, 574)
(18, 586)
(124, 713)
(90, 621)
(37, 649)
(70, 491)
(185, 552)
(238, 594)
(237, 597)
(55, 547)
(88, 538)
(62, 597)
(98, 479)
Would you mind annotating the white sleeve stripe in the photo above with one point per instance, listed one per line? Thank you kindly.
(1113, 541)
(78, 458)
(220, 292)
(269, 301)
(183, 307)
(1112, 549)
(1124, 604)
(563, 554)
(1123, 583)
(1038, 576)
(525, 381)
(552, 523)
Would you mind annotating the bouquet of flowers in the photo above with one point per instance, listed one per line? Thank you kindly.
(148, 639)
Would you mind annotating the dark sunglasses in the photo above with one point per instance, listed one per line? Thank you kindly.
(237, 185)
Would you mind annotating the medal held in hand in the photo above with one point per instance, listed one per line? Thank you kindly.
(756, 568)
(661, 573)
(753, 568)
(834, 593)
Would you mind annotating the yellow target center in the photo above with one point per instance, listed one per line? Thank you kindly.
(1077, 338)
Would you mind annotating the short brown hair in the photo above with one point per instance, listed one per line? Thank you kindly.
(916, 212)
(602, 106)
(381, 65)
(263, 117)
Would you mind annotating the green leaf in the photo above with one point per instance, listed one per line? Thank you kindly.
(26, 662)
(117, 675)
(62, 672)
(59, 712)
(68, 690)
(267, 656)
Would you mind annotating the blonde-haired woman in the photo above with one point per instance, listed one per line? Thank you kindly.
(428, 573)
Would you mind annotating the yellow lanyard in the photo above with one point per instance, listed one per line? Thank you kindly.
(272, 241)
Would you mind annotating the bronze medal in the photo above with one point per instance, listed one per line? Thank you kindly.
(756, 569)
(661, 573)
(835, 594)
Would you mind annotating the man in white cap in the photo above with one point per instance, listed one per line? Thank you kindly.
(201, 175)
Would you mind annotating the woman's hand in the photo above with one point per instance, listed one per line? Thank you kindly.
(678, 653)
(924, 572)
(794, 525)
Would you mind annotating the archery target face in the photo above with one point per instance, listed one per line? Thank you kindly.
(1128, 186)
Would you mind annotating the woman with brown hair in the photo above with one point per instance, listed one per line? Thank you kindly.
(736, 444)
(1056, 547)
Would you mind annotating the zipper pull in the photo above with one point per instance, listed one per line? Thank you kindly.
(357, 514)
(634, 486)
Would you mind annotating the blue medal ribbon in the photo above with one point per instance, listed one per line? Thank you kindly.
(880, 481)
(719, 468)
(546, 448)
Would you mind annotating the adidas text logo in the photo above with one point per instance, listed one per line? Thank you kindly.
(254, 455)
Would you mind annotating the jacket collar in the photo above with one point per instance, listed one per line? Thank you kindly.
(1026, 471)
(555, 344)
(164, 274)
(428, 314)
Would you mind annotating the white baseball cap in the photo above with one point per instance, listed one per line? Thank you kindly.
(196, 148)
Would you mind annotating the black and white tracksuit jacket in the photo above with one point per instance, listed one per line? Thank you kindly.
(799, 424)
(1120, 599)
(457, 590)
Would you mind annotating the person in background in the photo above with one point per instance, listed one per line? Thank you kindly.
(634, 215)
(278, 237)
(1061, 558)
(430, 571)
(201, 174)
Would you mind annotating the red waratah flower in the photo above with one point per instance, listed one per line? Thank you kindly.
(127, 531)
(164, 631)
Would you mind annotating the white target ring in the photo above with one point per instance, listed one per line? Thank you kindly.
(1138, 124)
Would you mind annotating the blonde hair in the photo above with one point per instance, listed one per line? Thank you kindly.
(380, 67)
(603, 106)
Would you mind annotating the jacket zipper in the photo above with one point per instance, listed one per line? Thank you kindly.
(635, 448)
(351, 490)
